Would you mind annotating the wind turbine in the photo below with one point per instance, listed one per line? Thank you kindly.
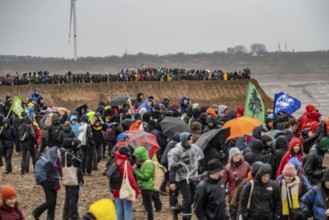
(73, 15)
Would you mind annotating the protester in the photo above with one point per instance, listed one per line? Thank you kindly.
(184, 170)
(9, 208)
(145, 179)
(47, 173)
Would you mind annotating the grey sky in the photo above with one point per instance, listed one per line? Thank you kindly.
(109, 27)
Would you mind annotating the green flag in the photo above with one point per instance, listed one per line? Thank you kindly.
(16, 107)
(254, 106)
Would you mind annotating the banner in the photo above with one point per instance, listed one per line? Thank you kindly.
(254, 106)
(285, 103)
(16, 107)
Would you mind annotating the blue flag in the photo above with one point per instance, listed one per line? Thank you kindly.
(285, 103)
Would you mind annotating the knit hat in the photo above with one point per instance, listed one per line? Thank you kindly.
(295, 162)
(157, 107)
(7, 192)
(184, 137)
(323, 144)
(233, 151)
(214, 165)
(289, 170)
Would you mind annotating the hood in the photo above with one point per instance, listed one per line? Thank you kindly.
(240, 111)
(121, 136)
(221, 109)
(315, 116)
(282, 143)
(141, 154)
(323, 144)
(257, 132)
(293, 142)
(55, 120)
(73, 118)
(196, 127)
(211, 111)
(240, 143)
(202, 118)
(181, 102)
(295, 162)
(184, 136)
(126, 124)
(35, 90)
(196, 113)
(255, 167)
(120, 156)
(176, 137)
(52, 155)
(310, 108)
(266, 138)
(256, 145)
(67, 128)
(264, 169)
(27, 119)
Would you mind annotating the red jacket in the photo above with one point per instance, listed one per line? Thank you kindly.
(287, 156)
(7, 213)
(120, 158)
(38, 134)
(229, 178)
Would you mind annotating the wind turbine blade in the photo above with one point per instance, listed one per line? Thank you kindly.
(71, 16)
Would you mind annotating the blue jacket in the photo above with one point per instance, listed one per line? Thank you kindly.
(75, 127)
(313, 203)
(181, 104)
(144, 105)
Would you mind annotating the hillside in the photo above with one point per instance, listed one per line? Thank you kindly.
(212, 93)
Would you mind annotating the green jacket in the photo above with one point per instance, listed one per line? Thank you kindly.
(146, 174)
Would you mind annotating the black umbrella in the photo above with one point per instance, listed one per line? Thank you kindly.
(121, 100)
(214, 137)
(171, 125)
(78, 108)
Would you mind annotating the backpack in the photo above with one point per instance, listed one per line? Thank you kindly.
(110, 133)
(24, 133)
(159, 175)
(40, 169)
(114, 175)
(55, 132)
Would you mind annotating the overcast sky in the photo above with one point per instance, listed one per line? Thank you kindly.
(110, 27)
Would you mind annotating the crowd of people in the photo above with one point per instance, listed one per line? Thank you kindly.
(279, 172)
(128, 75)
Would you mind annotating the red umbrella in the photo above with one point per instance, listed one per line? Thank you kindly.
(139, 138)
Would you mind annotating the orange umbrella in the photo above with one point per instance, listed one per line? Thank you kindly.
(241, 126)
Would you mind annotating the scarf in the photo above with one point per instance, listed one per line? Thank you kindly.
(294, 191)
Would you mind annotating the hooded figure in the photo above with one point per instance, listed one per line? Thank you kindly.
(281, 147)
(293, 151)
(255, 153)
(74, 125)
(313, 203)
(265, 197)
(313, 162)
(183, 104)
(221, 109)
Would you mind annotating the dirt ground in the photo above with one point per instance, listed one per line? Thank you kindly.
(31, 195)
(212, 93)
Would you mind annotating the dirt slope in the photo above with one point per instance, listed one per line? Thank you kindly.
(212, 93)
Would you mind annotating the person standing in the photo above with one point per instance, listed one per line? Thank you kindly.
(234, 173)
(184, 169)
(8, 138)
(209, 200)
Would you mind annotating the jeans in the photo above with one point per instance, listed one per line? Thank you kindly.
(7, 153)
(124, 209)
(70, 210)
(25, 165)
(147, 201)
(187, 190)
(50, 204)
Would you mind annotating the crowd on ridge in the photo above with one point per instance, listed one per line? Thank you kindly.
(128, 75)
(278, 172)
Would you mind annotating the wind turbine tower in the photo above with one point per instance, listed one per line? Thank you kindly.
(73, 15)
